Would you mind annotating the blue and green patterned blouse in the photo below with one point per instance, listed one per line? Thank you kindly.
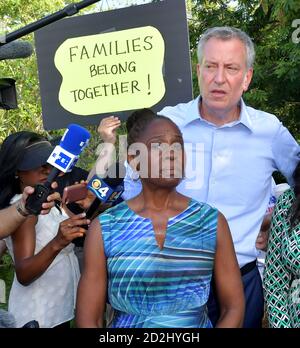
(153, 288)
(282, 270)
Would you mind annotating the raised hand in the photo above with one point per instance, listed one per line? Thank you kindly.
(107, 129)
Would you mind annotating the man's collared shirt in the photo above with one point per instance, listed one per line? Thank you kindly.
(230, 167)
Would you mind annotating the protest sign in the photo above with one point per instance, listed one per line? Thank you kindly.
(114, 62)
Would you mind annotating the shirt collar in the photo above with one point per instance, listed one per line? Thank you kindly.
(245, 117)
(194, 114)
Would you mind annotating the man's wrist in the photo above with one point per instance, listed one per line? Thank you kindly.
(20, 207)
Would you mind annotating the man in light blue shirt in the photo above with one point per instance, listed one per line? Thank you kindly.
(231, 152)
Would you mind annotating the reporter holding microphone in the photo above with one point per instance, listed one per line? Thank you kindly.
(16, 214)
(47, 272)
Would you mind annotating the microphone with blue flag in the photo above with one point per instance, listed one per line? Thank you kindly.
(66, 154)
(63, 158)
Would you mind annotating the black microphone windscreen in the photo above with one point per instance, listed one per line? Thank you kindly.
(16, 49)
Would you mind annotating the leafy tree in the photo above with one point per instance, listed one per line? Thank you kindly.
(15, 14)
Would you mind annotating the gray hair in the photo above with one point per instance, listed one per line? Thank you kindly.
(227, 33)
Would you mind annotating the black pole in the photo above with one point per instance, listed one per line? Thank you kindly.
(69, 10)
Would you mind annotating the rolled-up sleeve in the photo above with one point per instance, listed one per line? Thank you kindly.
(286, 152)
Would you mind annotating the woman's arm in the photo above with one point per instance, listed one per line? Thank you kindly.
(107, 130)
(91, 294)
(11, 218)
(228, 279)
(29, 266)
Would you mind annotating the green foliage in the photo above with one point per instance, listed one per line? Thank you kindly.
(7, 275)
(16, 14)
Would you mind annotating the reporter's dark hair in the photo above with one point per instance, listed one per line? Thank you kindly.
(11, 152)
(295, 211)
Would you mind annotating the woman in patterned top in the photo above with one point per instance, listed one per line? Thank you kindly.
(154, 255)
(282, 272)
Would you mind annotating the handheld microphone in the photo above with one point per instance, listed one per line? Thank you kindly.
(107, 191)
(14, 50)
(104, 192)
(66, 154)
(63, 158)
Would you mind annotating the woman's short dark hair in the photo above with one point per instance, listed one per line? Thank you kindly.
(138, 122)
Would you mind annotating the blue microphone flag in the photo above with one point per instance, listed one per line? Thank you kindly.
(65, 155)
(75, 139)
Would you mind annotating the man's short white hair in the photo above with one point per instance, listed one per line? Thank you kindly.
(227, 33)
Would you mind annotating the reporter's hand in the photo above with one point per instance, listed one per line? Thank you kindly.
(107, 129)
(263, 236)
(262, 241)
(70, 229)
(28, 190)
(50, 199)
(86, 202)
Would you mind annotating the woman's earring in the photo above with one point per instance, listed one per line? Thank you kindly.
(16, 176)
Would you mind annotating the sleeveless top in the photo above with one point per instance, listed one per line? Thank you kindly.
(149, 287)
(50, 299)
